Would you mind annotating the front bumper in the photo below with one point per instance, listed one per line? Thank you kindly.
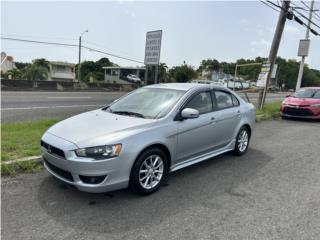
(300, 112)
(84, 173)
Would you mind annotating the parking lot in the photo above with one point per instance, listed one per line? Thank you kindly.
(272, 192)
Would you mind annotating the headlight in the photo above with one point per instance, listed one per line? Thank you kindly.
(316, 105)
(100, 152)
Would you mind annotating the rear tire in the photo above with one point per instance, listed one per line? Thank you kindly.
(148, 172)
(242, 141)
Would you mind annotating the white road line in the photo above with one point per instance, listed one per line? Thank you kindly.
(67, 97)
(47, 107)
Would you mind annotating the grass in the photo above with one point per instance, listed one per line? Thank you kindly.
(20, 140)
(269, 111)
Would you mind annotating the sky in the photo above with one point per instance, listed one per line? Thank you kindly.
(192, 31)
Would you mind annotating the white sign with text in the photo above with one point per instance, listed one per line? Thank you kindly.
(153, 47)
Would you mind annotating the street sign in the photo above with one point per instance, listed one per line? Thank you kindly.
(153, 47)
(274, 71)
(262, 79)
(303, 47)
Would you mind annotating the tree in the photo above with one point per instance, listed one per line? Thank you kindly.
(34, 73)
(183, 73)
(14, 74)
(94, 69)
(41, 62)
(162, 73)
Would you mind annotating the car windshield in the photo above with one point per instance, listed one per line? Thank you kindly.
(150, 103)
(305, 93)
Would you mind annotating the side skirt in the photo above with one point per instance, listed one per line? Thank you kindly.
(203, 157)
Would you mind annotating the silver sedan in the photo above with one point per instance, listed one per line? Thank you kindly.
(138, 139)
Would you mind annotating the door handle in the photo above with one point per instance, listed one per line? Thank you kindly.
(213, 118)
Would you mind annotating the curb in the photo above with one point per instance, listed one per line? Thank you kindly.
(35, 159)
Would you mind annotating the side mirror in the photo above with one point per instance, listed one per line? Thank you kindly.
(288, 96)
(189, 113)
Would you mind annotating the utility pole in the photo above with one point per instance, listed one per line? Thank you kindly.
(303, 57)
(79, 62)
(274, 49)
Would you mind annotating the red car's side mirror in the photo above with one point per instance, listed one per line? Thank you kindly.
(288, 96)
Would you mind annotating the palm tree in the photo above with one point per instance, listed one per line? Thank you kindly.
(14, 73)
(162, 72)
(34, 72)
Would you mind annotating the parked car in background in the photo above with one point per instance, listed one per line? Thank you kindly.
(305, 103)
(133, 78)
(137, 140)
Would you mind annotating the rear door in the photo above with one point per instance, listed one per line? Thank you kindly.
(228, 116)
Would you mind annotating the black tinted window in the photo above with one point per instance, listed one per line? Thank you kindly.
(202, 102)
(235, 101)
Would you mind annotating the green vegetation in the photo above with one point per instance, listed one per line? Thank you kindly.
(39, 68)
(269, 111)
(19, 140)
(287, 71)
(183, 73)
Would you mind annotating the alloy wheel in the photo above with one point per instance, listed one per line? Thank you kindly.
(151, 171)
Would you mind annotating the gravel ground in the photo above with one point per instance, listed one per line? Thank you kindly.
(273, 192)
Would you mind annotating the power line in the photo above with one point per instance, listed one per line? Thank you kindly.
(269, 6)
(295, 17)
(71, 45)
(306, 18)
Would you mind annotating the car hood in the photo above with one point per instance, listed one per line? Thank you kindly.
(301, 101)
(84, 128)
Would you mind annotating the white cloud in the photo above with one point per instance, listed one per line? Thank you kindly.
(261, 42)
(291, 29)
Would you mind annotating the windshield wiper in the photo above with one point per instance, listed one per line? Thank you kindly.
(129, 113)
(107, 108)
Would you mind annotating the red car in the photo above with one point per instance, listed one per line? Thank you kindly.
(305, 103)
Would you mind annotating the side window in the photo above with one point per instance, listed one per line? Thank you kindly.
(202, 102)
(235, 101)
(223, 100)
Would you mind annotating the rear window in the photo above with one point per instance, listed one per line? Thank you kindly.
(306, 93)
(317, 95)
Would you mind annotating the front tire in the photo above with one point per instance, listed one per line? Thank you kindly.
(148, 172)
(242, 141)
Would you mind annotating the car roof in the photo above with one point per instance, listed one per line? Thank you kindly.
(184, 86)
(316, 88)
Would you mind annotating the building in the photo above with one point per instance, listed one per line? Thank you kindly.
(120, 74)
(61, 71)
(7, 62)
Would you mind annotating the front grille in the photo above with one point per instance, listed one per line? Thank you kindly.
(62, 173)
(297, 111)
(53, 150)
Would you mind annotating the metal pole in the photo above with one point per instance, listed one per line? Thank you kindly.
(235, 76)
(156, 74)
(274, 49)
(79, 62)
(303, 57)
(146, 76)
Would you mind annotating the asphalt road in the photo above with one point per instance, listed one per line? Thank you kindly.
(272, 192)
(29, 106)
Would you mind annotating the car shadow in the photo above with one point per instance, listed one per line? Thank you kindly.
(122, 211)
(301, 120)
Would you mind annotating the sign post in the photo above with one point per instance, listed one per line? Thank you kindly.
(152, 52)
